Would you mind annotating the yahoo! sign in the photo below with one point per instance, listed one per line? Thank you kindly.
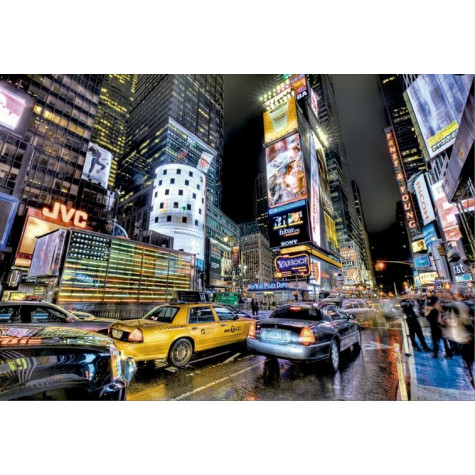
(299, 264)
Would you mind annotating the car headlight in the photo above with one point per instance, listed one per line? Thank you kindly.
(115, 361)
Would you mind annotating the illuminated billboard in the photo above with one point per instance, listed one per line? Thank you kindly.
(331, 233)
(289, 225)
(290, 266)
(418, 246)
(47, 254)
(299, 85)
(97, 165)
(8, 209)
(423, 197)
(314, 102)
(280, 118)
(426, 278)
(15, 108)
(286, 180)
(314, 191)
(437, 102)
(406, 197)
(204, 162)
(447, 213)
(422, 261)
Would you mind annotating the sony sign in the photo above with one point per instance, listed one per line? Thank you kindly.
(423, 198)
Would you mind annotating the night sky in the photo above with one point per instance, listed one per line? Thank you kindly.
(361, 113)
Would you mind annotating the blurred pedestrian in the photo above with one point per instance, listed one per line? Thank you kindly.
(432, 312)
(447, 322)
(255, 307)
(409, 308)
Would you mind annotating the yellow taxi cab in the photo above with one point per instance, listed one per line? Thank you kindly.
(175, 331)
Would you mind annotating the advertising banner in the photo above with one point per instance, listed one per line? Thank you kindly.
(430, 235)
(462, 146)
(299, 85)
(289, 226)
(314, 193)
(15, 108)
(235, 256)
(97, 165)
(447, 213)
(314, 102)
(205, 162)
(8, 208)
(418, 246)
(406, 197)
(286, 180)
(280, 119)
(47, 254)
(428, 277)
(331, 233)
(437, 101)
(423, 197)
(290, 266)
(422, 261)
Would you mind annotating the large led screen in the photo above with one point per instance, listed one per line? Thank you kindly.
(289, 225)
(97, 165)
(280, 119)
(15, 108)
(47, 254)
(447, 212)
(314, 194)
(286, 181)
(437, 101)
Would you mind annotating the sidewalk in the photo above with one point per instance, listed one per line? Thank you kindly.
(437, 379)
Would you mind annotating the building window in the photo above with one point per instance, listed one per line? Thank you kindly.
(180, 192)
(156, 219)
(167, 192)
(188, 207)
(196, 222)
(178, 171)
(203, 200)
(156, 194)
(191, 173)
(184, 219)
(175, 204)
(169, 218)
(194, 196)
(199, 211)
(172, 181)
(161, 205)
(187, 182)
(165, 172)
(160, 182)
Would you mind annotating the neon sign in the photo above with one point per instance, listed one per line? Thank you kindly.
(65, 215)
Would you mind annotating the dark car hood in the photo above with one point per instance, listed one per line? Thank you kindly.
(13, 335)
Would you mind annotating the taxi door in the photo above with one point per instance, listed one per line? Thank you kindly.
(203, 327)
(230, 330)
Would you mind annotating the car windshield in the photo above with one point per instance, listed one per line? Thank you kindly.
(297, 313)
(162, 314)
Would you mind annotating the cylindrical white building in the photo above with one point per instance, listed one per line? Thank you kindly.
(179, 207)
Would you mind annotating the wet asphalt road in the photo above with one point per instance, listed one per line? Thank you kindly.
(232, 374)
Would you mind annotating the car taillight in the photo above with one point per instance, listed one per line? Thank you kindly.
(253, 330)
(306, 336)
(136, 336)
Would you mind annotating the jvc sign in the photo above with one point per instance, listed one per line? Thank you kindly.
(296, 265)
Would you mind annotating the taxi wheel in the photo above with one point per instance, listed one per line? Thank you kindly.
(180, 353)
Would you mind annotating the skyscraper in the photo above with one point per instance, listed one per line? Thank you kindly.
(110, 127)
(350, 239)
(261, 203)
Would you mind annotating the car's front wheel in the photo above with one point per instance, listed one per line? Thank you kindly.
(333, 361)
(180, 353)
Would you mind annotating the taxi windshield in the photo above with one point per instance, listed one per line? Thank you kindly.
(162, 314)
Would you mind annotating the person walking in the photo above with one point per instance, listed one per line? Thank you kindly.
(255, 307)
(432, 312)
(409, 310)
